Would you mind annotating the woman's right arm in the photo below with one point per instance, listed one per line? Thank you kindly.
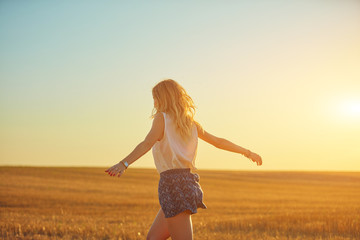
(225, 144)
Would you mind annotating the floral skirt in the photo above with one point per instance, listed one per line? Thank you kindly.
(179, 190)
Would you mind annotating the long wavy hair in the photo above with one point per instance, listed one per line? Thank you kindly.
(172, 99)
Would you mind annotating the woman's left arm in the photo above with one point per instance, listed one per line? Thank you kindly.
(155, 134)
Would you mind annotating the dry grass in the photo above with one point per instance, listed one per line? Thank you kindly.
(85, 203)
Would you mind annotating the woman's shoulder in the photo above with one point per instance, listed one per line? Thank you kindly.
(159, 115)
(159, 120)
(198, 127)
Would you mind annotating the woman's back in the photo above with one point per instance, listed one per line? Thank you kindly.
(174, 151)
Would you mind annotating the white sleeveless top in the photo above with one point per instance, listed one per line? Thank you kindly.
(172, 151)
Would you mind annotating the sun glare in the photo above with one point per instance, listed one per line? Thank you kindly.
(350, 108)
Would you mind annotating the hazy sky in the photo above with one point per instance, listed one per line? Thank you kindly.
(281, 78)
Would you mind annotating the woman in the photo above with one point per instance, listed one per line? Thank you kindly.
(173, 138)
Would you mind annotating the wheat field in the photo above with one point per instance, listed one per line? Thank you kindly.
(86, 203)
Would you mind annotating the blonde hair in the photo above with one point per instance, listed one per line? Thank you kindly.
(172, 99)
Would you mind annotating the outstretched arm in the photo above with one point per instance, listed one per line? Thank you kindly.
(155, 134)
(225, 144)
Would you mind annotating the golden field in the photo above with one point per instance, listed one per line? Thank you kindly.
(86, 203)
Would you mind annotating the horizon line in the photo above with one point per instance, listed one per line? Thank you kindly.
(198, 169)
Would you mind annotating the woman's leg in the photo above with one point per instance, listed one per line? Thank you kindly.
(158, 230)
(180, 226)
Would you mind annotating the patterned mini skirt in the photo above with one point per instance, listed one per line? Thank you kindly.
(179, 190)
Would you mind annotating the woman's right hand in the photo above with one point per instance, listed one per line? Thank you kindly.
(255, 158)
(118, 169)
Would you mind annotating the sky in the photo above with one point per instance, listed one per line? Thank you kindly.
(281, 78)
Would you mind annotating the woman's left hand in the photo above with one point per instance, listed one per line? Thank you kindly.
(118, 169)
(255, 158)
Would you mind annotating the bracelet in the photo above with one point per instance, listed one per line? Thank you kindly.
(125, 163)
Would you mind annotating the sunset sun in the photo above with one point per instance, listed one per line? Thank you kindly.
(350, 108)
